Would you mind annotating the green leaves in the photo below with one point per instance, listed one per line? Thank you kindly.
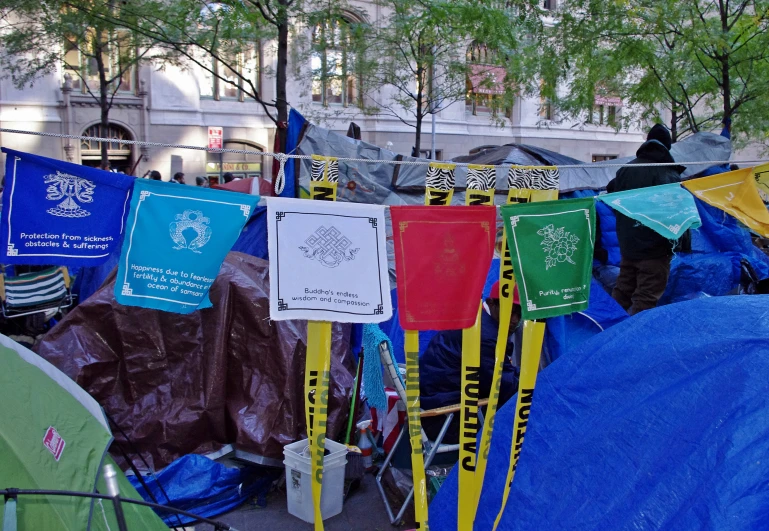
(702, 60)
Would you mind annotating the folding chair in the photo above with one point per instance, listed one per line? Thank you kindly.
(38, 292)
(430, 448)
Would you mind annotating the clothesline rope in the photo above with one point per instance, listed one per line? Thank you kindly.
(281, 157)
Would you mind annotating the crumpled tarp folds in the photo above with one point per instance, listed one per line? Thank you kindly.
(181, 384)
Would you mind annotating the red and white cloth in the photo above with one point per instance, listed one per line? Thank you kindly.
(391, 422)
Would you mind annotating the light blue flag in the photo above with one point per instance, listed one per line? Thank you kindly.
(667, 209)
(176, 239)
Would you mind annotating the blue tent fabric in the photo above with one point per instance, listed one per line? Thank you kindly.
(607, 223)
(567, 332)
(720, 233)
(295, 123)
(253, 237)
(658, 423)
(693, 275)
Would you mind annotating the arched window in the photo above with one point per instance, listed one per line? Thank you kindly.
(241, 166)
(119, 153)
(485, 80)
(333, 62)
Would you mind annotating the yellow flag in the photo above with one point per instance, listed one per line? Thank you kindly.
(761, 174)
(736, 193)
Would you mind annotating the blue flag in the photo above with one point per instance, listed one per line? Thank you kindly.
(60, 213)
(176, 240)
(667, 209)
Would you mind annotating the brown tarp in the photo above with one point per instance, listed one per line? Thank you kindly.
(180, 384)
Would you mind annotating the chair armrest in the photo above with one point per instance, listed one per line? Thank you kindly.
(445, 410)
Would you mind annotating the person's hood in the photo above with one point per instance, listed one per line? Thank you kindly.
(655, 151)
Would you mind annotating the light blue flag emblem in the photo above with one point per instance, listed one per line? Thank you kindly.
(60, 213)
(667, 209)
(176, 240)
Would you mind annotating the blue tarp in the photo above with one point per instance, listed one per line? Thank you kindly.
(295, 123)
(659, 423)
(199, 485)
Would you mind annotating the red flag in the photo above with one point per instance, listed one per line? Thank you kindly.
(442, 258)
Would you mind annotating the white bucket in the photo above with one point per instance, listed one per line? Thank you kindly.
(299, 484)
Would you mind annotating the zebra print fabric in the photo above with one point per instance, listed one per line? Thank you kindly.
(440, 176)
(533, 178)
(319, 164)
(481, 178)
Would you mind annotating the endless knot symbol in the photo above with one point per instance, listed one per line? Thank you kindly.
(329, 247)
(558, 244)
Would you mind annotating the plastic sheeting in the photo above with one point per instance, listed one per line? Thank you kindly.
(181, 384)
(199, 485)
(658, 423)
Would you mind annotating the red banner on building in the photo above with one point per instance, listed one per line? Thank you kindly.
(442, 257)
(487, 79)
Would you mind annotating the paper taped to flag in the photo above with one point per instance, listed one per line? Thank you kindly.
(328, 261)
(60, 213)
(176, 240)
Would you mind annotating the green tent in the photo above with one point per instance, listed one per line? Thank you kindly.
(54, 436)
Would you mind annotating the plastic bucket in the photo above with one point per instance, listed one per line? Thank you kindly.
(299, 480)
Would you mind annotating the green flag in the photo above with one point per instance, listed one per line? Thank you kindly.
(551, 246)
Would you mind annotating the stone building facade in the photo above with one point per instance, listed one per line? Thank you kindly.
(176, 105)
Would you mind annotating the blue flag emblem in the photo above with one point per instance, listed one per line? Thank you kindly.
(60, 213)
(176, 240)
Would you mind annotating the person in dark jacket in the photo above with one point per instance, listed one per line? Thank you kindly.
(646, 255)
(440, 367)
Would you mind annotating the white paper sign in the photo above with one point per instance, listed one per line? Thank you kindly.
(328, 261)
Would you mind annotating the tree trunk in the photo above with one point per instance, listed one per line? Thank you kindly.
(281, 99)
(418, 135)
(103, 100)
(674, 124)
(727, 88)
(419, 111)
(724, 58)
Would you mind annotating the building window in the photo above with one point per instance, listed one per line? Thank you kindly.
(118, 152)
(485, 83)
(546, 111)
(601, 158)
(119, 59)
(549, 5)
(227, 77)
(334, 81)
(603, 115)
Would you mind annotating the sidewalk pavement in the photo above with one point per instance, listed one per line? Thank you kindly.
(363, 511)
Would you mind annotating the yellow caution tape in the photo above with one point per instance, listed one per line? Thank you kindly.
(506, 286)
(533, 335)
(318, 361)
(415, 428)
(321, 333)
(469, 424)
